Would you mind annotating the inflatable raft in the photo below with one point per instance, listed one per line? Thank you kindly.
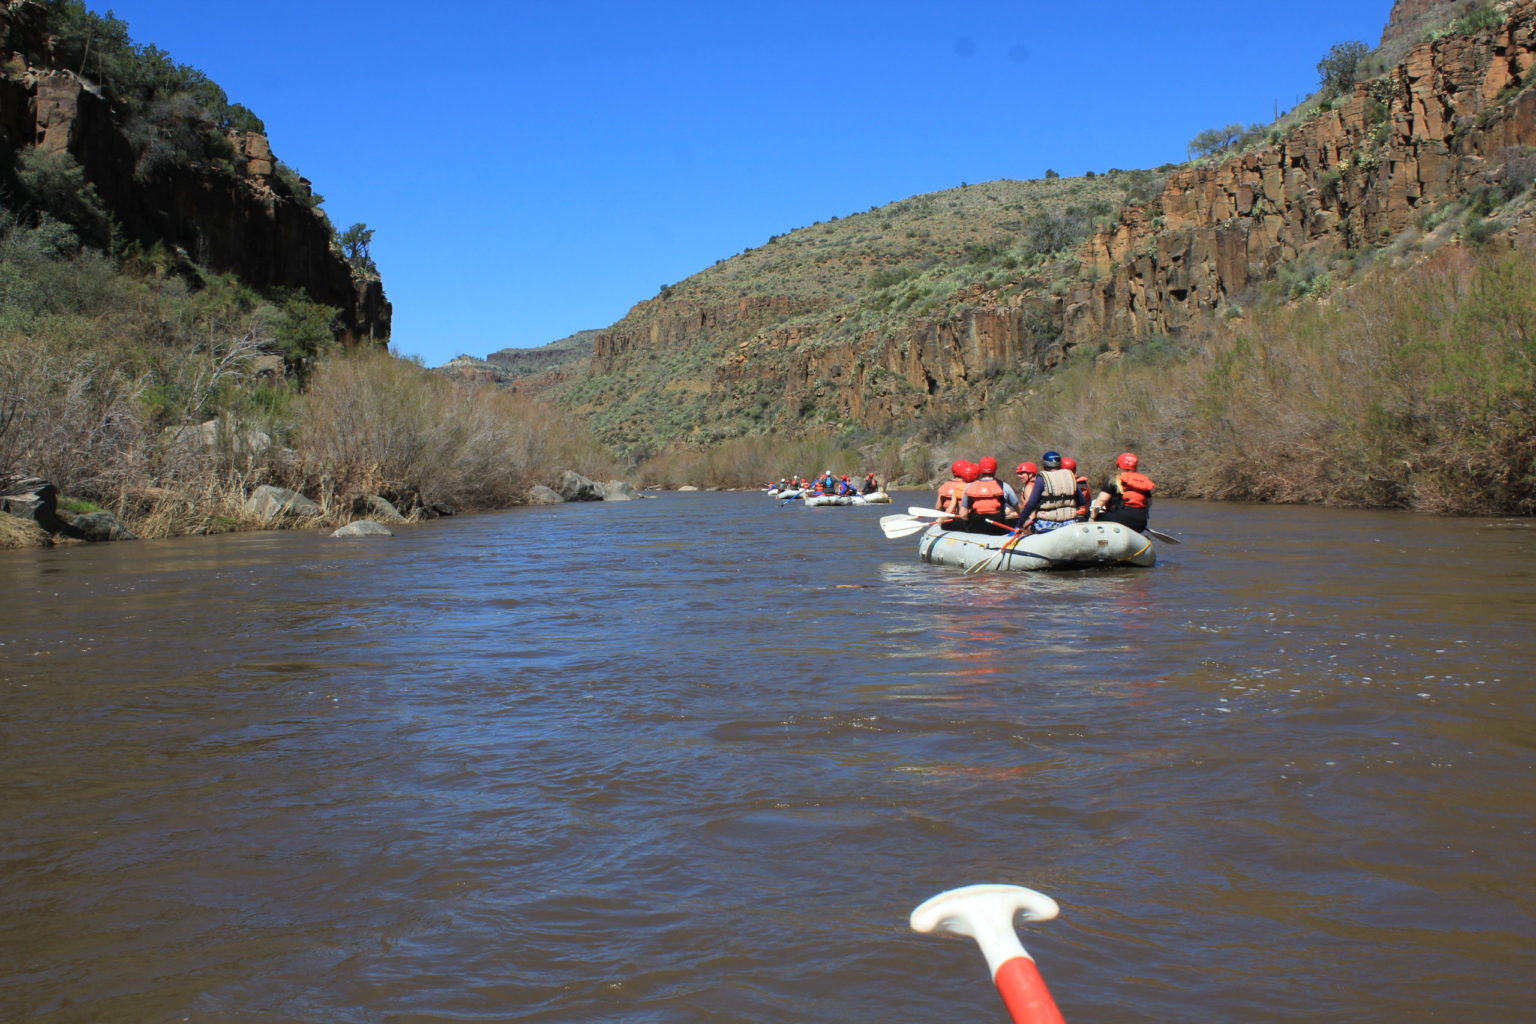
(819, 500)
(1079, 546)
(877, 498)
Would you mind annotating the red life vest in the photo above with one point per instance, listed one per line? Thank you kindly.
(1135, 489)
(986, 497)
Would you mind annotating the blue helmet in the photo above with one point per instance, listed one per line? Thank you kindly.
(1051, 460)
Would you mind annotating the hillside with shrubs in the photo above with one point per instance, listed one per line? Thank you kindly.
(1208, 314)
(180, 322)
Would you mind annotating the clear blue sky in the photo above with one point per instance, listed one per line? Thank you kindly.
(535, 167)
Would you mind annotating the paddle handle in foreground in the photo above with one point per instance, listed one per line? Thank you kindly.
(986, 913)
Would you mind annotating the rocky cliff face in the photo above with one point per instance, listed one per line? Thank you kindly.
(1440, 124)
(225, 218)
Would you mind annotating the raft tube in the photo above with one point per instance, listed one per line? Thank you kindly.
(1078, 546)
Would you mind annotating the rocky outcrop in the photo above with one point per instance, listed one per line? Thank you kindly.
(1436, 127)
(226, 216)
(1440, 125)
(269, 503)
(659, 324)
(363, 528)
(37, 501)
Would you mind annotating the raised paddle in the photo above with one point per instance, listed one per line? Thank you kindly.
(985, 913)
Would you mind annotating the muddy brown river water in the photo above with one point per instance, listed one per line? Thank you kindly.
(695, 759)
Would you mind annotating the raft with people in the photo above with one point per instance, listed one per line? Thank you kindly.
(1053, 521)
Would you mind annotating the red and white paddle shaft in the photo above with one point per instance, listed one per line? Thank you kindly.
(986, 913)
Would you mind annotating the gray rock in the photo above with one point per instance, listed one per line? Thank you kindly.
(36, 499)
(687, 487)
(267, 503)
(221, 434)
(99, 526)
(620, 490)
(363, 528)
(541, 495)
(377, 508)
(575, 487)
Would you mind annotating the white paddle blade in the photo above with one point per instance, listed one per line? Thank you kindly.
(931, 513)
(1164, 537)
(901, 526)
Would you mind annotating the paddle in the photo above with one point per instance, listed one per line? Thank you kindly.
(902, 526)
(986, 913)
(1159, 535)
(987, 562)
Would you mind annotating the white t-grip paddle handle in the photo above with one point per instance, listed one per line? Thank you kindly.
(986, 914)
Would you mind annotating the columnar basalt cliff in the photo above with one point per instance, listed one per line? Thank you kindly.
(1434, 128)
(224, 217)
(1349, 175)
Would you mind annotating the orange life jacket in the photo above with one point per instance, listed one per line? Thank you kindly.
(951, 489)
(1135, 489)
(986, 497)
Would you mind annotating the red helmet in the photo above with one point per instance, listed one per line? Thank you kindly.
(1068, 462)
(1127, 460)
(958, 468)
(970, 473)
(1027, 468)
(987, 465)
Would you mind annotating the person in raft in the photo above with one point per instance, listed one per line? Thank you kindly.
(871, 485)
(1050, 502)
(988, 500)
(1127, 496)
(1084, 498)
(952, 490)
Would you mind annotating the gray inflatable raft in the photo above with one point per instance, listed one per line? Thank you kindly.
(1078, 546)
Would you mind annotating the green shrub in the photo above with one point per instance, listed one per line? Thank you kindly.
(1339, 68)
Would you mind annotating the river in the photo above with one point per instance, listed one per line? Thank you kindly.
(696, 758)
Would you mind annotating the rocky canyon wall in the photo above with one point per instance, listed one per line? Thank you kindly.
(227, 218)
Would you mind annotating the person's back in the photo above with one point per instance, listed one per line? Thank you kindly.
(1056, 503)
(986, 499)
(953, 489)
(1127, 496)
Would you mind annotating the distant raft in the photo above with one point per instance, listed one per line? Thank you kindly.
(823, 500)
(1078, 546)
(876, 497)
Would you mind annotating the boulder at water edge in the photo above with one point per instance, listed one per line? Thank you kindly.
(379, 509)
(620, 490)
(575, 487)
(363, 528)
(541, 495)
(36, 499)
(267, 503)
(101, 526)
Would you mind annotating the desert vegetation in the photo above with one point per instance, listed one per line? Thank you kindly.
(164, 400)
(1414, 390)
